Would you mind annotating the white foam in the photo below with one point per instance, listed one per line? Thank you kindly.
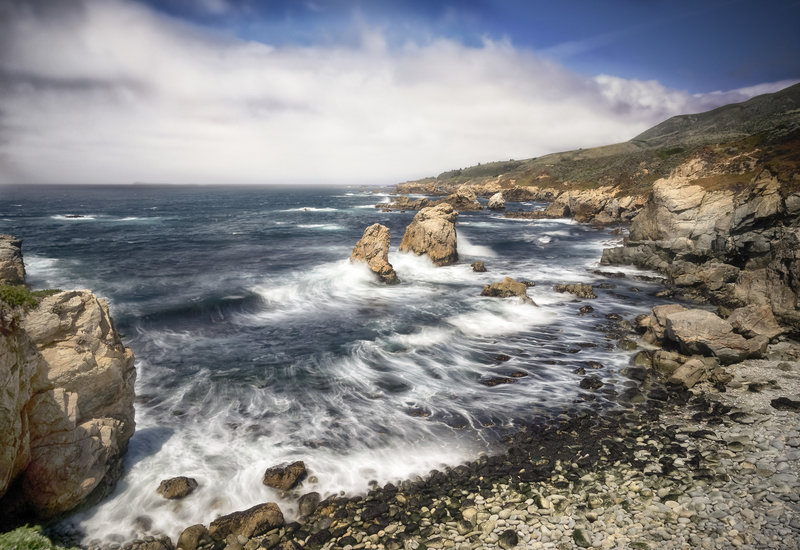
(74, 217)
(500, 316)
(325, 226)
(469, 250)
(311, 209)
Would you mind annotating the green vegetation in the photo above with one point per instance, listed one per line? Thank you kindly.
(16, 296)
(27, 538)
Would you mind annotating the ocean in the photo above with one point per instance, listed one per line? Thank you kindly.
(257, 342)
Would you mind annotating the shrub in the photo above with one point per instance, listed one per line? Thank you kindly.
(27, 538)
(18, 296)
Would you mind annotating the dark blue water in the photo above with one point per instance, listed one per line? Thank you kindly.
(257, 342)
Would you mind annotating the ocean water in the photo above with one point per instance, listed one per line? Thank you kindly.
(257, 342)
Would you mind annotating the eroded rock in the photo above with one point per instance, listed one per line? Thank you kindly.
(12, 268)
(580, 290)
(373, 249)
(177, 487)
(697, 331)
(433, 232)
(285, 477)
(496, 202)
(508, 288)
(249, 523)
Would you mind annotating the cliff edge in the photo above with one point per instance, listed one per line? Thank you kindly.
(66, 412)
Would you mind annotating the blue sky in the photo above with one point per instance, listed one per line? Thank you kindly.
(344, 91)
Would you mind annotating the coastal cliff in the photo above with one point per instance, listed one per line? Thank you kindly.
(66, 414)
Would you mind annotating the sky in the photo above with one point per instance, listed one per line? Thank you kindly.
(359, 91)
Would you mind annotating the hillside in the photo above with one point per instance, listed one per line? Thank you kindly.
(768, 124)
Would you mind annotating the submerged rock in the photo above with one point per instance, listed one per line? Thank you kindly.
(433, 232)
(177, 487)
(580, 290)
(12, 268)
(507, 288)
(478, 267)
(373, 249)
(285, 477)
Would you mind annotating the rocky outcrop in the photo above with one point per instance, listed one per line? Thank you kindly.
(752, 321)
(433, 232)
(66, 412)
(285, 477)
(496, 202)
(464, 200)
(508, 288)
(734, 244)
(12, 269)
(581, 290)
(401, 202)
(373, 249)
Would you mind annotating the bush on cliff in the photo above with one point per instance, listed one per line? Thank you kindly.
(28, 538)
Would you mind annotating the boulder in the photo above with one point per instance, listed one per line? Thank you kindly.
(478, 267)
(194, 537)
(285, 477)
(373, 249)
(507, 288)
(580, 290)
(433, 232)
(252, 522)
(464, 200)
(12, 268)
(688, 374)
(177, 487)
(308, 503)
(496, 202)
(698, 331)
(753, 320)
(79, 416)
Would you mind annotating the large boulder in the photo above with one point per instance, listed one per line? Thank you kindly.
(496, 202)
(508, 288)
(177, 487)
(433, 232)
(753, 320)
(79, 416)
(697, 331)
(249, 523)
(12, 268)
(373, 249)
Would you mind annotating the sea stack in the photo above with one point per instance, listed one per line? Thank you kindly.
(373, 249)
(433, 232)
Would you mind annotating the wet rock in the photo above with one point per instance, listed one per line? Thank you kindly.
(248, 523)
(373, 249)
(497, 202)
(12, 268)
(478, 267)
(285, 477)
(194, 537)
(582, 537)
(162, 542)
(318, 539)
(585, 310)
(308, 503)
(591, 383)
(433, 232)
(580, 290)
(374, 509)
(508, 539)
(177, 487)
(507, 288)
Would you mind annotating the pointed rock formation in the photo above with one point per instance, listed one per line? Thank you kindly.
(12, 270)
(433, 232)
(497, 202)
(373, 249)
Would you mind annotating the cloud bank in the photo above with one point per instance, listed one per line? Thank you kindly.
(110, 91)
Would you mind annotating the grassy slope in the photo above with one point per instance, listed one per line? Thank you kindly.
(767, 126)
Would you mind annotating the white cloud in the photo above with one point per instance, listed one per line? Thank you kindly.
(122, 94)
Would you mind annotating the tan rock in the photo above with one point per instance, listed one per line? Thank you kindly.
(193, 537)
(12, 269)
(508, 288)
(285, 477)
(373, 249)
(433, 232)
(581, 290)
(688, 374)
(249, 523)
(464, 200)
(496, 202)
(698, 331)
(177, 487)
(755, 320)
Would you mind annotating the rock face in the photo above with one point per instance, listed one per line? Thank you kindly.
(496, 202)
(433, 232)
(177, 487)
(12, 269)
(373, 249)
(734, 245)
(67, 409)
(285, 477)
(464, 200)
(507, 288)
